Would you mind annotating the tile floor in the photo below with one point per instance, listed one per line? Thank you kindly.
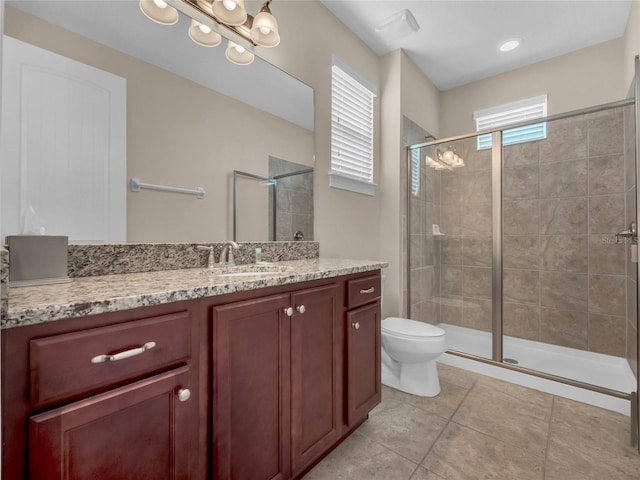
(483, 428)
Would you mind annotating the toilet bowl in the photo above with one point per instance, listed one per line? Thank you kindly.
(409, 352)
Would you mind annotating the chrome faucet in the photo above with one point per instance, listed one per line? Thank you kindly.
(227, 250)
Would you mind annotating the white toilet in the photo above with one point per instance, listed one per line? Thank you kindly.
(409, 352)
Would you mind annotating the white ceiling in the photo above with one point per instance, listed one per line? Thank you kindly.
(458, 40)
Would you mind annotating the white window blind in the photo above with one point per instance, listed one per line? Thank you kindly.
(351, 133)
(510, 113)
(415, 172)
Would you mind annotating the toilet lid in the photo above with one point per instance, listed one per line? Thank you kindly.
(411, 328)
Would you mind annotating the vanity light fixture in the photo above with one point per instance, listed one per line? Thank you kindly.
(261, 30)
(238, 54)
(203, 35)
(445, 159)
(231, 12)
(159, 11)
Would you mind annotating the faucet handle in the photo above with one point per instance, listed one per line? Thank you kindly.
(210, 261)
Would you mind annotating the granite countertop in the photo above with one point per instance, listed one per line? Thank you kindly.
(110, 293)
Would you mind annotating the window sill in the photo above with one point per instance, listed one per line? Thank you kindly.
(343, 182)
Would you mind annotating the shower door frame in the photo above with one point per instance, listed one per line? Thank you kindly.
(497, 248)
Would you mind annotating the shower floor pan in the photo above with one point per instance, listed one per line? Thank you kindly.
(588, 367)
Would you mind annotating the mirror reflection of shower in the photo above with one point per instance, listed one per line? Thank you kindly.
(277, 207)
(291, 205)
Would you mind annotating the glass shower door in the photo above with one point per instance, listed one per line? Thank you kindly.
(451, 243)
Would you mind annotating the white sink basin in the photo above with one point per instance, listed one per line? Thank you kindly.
(248, 274)
(249, 270)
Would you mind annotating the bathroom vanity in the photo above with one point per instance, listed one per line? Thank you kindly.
(183, 374)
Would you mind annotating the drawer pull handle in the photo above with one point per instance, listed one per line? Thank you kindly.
(368, 290)
(356, 325)
(288, 311)
(122, 355)
(301, 308)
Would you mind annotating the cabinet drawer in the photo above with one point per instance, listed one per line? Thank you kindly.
(63, 366)
(363, 291)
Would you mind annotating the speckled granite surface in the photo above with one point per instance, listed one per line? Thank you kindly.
(110, 293)
(109, 259)
(4, 280)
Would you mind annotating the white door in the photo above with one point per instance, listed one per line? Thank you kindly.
(62, 145)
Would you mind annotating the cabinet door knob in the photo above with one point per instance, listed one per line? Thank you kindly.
(301, 308)
(184, 394)
(356, 325)
(288, 311)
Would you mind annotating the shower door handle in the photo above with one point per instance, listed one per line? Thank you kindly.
(632, 233)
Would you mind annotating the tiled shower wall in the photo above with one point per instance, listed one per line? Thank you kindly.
(564, 275)
(565, 278)
(294, 201)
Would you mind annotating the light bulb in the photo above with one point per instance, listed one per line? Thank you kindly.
(231, 12)
(159, 11)
(203, 35)
(447, 156)
(265, 30)
(229, 4)
(238, 54)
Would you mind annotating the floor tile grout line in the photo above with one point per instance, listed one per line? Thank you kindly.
(546, 453)
(449, 420)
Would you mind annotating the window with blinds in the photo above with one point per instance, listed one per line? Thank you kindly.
(351, 133)
(415, 172)
(510, 113)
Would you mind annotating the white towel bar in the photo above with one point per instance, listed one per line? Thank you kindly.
(136, 185)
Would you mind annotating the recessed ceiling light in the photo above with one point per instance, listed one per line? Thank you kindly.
(509, 45)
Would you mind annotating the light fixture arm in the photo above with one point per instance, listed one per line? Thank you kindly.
(237, 34)
(265, 7)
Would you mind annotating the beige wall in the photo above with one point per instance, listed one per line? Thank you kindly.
(421, 100)
(631, 41)
(178, 133)
(405, 91)
(390, 207)
(347, 225)
(580, 79)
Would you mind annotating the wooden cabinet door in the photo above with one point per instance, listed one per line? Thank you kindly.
(363, 361)
(316, 376)
(139, 431)
(251, 391)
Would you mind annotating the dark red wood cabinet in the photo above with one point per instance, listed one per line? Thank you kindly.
(363, 362)
(316, 375)
(252, 385)
(106, 397)
(251, 389)
(137, 431)
(276, 383)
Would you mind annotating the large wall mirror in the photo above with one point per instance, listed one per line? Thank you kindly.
(189, 119)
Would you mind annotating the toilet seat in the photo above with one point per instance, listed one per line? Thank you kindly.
(406, 328)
